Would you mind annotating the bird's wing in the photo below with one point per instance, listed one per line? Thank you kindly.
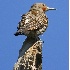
(31, 22)
(22, 22)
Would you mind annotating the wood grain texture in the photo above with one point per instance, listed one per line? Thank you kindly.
(30, 55)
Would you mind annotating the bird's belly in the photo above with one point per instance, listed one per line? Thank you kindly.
(36, 32)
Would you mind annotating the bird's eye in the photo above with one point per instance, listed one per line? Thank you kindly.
(43, 4)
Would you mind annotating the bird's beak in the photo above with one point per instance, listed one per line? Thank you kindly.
(48, 8)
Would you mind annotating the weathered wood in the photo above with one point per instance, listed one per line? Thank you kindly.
(30, 55)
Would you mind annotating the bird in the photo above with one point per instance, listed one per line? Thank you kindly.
(34, 22)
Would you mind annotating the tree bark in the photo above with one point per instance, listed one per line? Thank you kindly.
(30, 55)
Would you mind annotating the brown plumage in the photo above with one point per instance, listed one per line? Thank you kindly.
(34, 22)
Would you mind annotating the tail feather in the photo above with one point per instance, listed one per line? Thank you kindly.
(17, 33)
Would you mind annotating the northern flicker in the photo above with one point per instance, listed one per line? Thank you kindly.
(34, 22)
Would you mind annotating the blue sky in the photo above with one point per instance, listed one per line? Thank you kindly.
(55, 47)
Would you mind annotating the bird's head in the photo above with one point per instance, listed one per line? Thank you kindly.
(41, 7)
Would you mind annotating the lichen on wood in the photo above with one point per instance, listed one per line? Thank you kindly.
(30, 55)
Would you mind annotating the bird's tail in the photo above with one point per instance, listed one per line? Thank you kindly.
(18, 33)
